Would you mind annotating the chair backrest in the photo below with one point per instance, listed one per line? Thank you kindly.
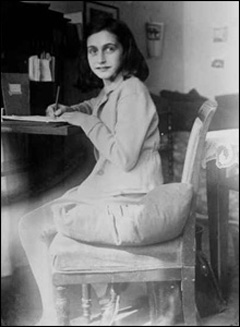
(195, 148)
(191, 174)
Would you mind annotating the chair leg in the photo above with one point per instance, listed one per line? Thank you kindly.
(153, 303)
(164, 302)
(86, 302)
(190, 312)
(62, 306)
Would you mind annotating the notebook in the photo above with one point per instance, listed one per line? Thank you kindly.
(33, 119)
(15, 93)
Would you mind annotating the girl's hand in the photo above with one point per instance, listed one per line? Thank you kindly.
(74, 118)
(50, 111)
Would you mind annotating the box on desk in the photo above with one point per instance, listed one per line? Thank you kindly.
(24, 97)
(42, 94)
(15, 93)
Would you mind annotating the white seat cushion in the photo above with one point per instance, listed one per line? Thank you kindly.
(69, 255)
(159, 217)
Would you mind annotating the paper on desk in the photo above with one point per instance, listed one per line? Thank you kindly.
(34, 118)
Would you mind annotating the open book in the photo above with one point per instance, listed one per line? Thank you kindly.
(33, 118)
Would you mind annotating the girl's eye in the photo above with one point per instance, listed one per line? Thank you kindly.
(92, 51)
(110, 49)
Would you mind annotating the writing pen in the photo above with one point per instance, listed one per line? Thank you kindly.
(57, 98)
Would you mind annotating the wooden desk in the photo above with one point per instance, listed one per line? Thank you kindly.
(39, 128)
(27, 153)
(221, 161)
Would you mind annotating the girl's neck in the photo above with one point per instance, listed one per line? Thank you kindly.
(109, 84)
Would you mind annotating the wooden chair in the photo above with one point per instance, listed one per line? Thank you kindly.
(172, 261)
(166, 130)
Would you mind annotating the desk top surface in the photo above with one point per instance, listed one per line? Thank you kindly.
(38, 128)
(225, 136)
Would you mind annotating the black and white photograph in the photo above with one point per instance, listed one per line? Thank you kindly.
(119, 163)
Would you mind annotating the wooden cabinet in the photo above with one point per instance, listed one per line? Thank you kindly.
(29, 29)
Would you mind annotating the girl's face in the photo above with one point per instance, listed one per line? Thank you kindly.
(104, 54)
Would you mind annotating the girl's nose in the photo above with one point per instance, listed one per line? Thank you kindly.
(101, 57)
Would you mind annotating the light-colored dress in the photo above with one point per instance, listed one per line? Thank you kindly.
(122, 124)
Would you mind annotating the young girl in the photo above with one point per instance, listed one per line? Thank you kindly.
(122, 124)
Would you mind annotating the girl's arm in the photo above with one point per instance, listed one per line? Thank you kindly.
(85, 107)
(136, 119)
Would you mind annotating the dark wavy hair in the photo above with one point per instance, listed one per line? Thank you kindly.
(133, 62)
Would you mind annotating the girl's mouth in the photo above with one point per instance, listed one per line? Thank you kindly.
(102, 69)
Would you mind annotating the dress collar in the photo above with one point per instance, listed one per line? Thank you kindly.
(108, 89)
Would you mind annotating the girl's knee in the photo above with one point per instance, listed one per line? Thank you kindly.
(24, 223)
(35, 223)
(26, 226)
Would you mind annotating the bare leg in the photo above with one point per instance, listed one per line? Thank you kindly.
(31, 228)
